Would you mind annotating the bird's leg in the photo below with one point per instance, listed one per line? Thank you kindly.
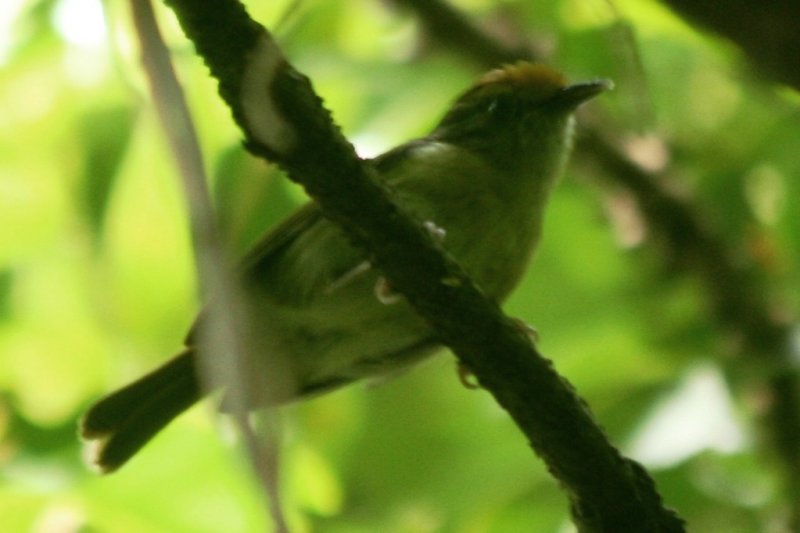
(384, 292)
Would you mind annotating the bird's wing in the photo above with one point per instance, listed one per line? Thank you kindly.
(297, 243)
(258, 266)
(286, 232)
(280, 236)
(286, 263)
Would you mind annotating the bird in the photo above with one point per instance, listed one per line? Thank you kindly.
(320, 315)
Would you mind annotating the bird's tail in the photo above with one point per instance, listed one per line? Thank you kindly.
(124, 421)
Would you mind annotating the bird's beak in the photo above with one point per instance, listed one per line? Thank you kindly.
(571, 96)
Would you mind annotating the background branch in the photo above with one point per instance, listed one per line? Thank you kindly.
(453, 29)
(766, 31)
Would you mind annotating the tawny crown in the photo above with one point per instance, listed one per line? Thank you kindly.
(533, 78)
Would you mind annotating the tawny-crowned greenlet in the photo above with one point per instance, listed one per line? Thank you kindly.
(315, 307)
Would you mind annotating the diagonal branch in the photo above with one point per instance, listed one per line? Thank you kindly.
(284, 120)
(735, 291)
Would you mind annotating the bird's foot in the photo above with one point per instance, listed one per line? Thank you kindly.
(527, 329)
(466, 376)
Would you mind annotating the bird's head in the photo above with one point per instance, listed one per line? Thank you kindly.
(516, 111)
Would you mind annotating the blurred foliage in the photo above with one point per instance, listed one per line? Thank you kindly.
(96, 281)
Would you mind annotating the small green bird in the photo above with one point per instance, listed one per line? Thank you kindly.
(320, 317)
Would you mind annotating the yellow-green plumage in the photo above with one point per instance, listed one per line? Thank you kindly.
(483, 176)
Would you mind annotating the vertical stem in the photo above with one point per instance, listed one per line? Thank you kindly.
(225, 350)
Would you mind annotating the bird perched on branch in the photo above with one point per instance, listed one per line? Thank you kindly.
(319, 315)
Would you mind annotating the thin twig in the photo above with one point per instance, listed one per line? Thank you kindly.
(224, 332)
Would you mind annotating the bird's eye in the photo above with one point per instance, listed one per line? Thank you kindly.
(494, 106)
(500, 108)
